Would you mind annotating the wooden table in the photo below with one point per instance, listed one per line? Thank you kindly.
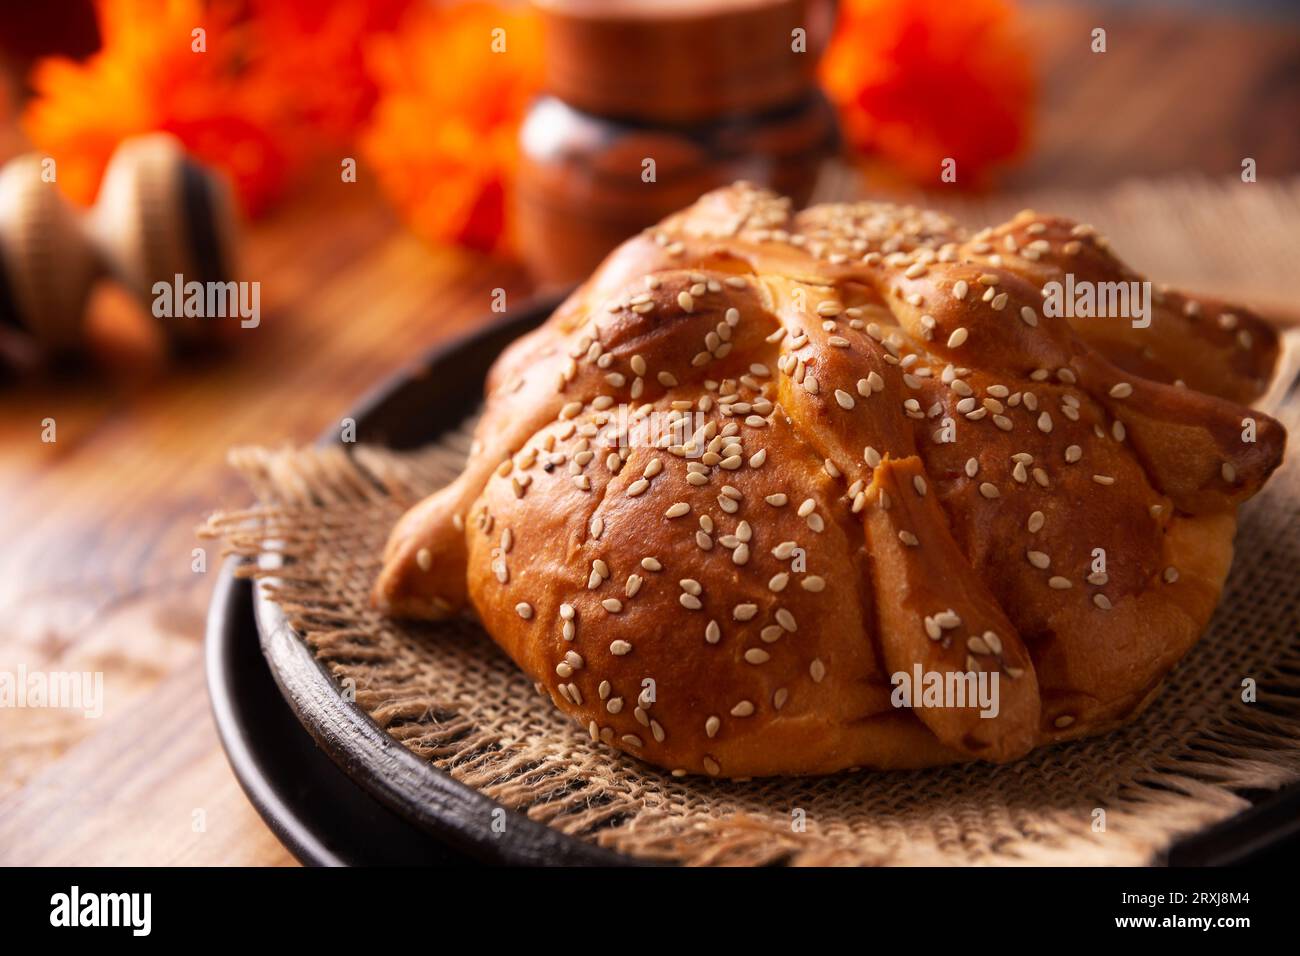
(98, 527)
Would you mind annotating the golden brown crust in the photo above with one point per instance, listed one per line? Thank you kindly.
(763, 462)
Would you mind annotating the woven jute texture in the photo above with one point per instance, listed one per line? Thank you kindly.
(446, 692)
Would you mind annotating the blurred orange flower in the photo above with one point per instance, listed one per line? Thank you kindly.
(918, 81)
(149, 75)
(316, 48)
(454, 82)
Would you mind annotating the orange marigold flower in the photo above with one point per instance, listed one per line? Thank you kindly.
(919, 81)
(148, 76)
(454, 83)
(316, 49)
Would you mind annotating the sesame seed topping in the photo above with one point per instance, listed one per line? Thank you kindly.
(743, 709)
(958, 338)
(1121, 390)
(1059, 583)
(524, 610)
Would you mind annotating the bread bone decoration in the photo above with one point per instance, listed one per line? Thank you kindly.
(888, 460)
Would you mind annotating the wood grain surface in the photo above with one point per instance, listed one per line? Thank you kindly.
(98, 527)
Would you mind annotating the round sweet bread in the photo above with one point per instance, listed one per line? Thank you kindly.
(786, 493)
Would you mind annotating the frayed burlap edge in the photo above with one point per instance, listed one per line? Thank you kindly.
(447, 693)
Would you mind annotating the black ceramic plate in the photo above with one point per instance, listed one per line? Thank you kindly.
(358, 796)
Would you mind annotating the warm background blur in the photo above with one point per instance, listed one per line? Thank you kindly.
(358, 278)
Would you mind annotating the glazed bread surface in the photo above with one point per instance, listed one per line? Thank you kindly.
(764, 461)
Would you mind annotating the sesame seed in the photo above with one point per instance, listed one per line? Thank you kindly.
(712, 726)
(778, 582)
(988, 489)
(712, 766)
(743, 709)
(871, 457)
(1039, 559)
(677, 510)
(960, 288)
(1058, 583)
(1228, 472)
(756, 655)
(1171, 575)
(524, 610)
(424, 558)
(817, 670)
(844, 399)
(1045, 423)
(908, 538)
(686, 301)
(813, 583)
(1101, 601)
(958, 338)
(1103, 479)
(1065, 720)
(1035, 523)
(612, 605)
(919, 484)
(744, 612)
(1121, 390)
(620, 648)
(1073, 453)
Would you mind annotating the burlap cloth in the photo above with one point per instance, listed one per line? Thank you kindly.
(447, 692)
